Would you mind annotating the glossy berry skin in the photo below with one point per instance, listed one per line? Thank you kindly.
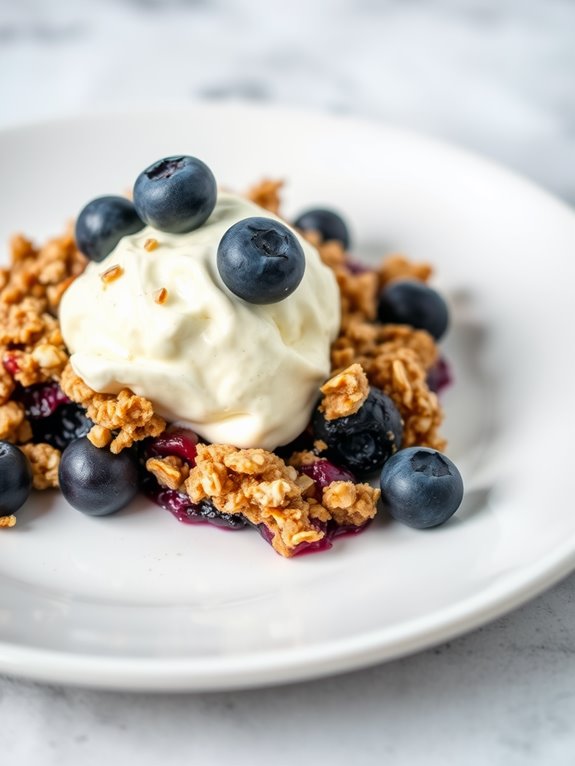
(421, 487)
(327, 222)
(15, 478)
(102, 223)
(260, 260)
(175, 194)
(94, 480)
(364, 441)
(411, 302)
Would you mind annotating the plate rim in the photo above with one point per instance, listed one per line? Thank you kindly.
(326, 658)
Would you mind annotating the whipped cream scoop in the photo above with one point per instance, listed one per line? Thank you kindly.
(236, 373)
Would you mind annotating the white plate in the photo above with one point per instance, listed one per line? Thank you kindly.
(139, 601)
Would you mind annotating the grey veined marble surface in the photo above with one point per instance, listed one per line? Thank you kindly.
(495, 76)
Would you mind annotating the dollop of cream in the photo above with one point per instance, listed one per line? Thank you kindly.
(234, 372)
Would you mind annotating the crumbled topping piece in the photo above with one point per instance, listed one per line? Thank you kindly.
(7, 521)
(111, 274)
(350, 504)
(100, 437)
(14, 427)
(261, 487)
(169, 471)
(132, 416)
(344, 393)
(161, 295)
(397, 266)
(266, 195)
(45, 461)
(150, 244)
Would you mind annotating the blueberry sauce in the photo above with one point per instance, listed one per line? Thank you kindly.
(42, 400)
(180, 506)
(440, 376)
(180, 442)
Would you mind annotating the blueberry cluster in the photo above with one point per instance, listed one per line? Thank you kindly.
(259, 259)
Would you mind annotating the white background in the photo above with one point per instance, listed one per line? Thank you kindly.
(496, 76)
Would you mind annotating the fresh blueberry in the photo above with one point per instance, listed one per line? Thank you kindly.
(15, 478)
(364, 441)
(421, 487)
(94, 480)
(68, 423)
(327, 222)
(411, 302)
(175, 194)
(103, 223)
(260, 260)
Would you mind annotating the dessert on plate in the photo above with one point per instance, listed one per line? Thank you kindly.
(240, 370)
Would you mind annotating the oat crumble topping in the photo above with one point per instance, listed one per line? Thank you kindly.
(345, 393)
(7, 521)
(45, 461)
(261, 487)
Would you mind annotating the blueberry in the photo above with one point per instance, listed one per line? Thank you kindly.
(327, 222)
(260, 260)
(364, 441)
(411, 302)
(103, 223)
(175, 194)
(15, 478)
(94, 480)
(68, 423)
(421, 487)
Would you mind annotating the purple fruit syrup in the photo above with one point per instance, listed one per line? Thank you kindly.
(440, 376)
(42, 400)
(180, 442)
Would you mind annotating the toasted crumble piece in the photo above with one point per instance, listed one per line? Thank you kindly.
(130, 415)
(14, 427)
(266, 195)
(350, 503)
(170, 472)
(45, 461)
(111, 274)
(7, 521)
(345, 393)
(261, 487)
(397, 266)
(150, 244)
(6, 385)
(161, 295)
(401, 376)
(100, 437)
(305, 457)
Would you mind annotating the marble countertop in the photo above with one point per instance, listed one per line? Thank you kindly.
(493, 75)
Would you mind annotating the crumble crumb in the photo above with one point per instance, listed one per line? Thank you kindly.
(100, 437)
(345, 393)
(7, 521)
(170, 472)
(397, 266)
(111, 274)
(131, 416)
(161, 295)
(45, 461)
(266, 195)
(151, 244)
(350, 503)
(14, 427)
